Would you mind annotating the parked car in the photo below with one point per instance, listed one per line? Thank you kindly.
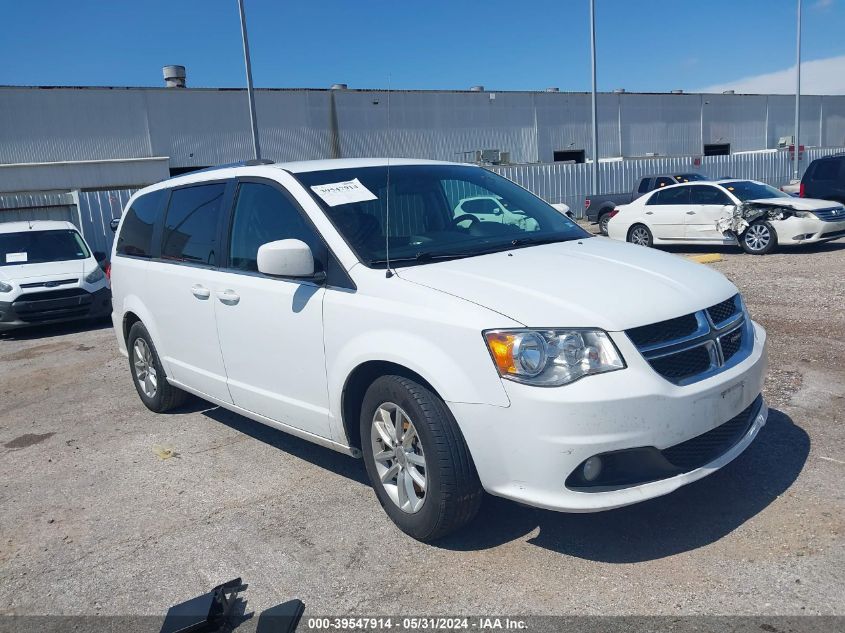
(344, 302)
(825, 178)
(492, 209)
(48, 274)
(598, 208)
(753, 213)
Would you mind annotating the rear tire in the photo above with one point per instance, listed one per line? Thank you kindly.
(604, 218)
(639, 234)
(424, 479)
(759, 238)
(148, 375)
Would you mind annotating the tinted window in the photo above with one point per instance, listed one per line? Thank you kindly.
(136, 233)
(190, 227)
(825, 170)
(673, 195)
(663, 181)
(645, 185)
(264, 214)
(37, 247)
(708, 195)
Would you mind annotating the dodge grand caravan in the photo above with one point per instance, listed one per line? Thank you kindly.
(48, 275)
(354, 304)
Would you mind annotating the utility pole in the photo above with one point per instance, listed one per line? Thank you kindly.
(595, 173)
(256, 146)
(795, 142)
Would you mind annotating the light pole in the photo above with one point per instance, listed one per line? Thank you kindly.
(595, 172)
(795, 142)
(256, 146)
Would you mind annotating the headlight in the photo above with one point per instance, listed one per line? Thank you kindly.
(550, 358)
(4, 287)
(95, 275)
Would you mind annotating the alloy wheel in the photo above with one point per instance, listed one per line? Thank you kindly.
(399, 457)
(640, 236)
(145, 371)
(757, 237)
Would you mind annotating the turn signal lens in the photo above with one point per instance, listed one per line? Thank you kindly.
(550, 358)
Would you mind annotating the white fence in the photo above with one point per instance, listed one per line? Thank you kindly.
(570, 183)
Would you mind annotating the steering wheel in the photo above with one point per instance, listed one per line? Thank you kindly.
(466, 216)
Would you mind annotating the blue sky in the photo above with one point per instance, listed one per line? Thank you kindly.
(644, 45)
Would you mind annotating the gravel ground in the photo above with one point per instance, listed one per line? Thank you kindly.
(110, 509)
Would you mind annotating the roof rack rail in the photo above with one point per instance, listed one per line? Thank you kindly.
(241, 163)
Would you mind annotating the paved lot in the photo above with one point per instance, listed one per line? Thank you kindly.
(93, 520)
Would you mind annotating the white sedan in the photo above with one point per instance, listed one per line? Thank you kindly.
(753, 214)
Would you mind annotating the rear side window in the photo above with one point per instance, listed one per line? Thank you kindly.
(264, 214)
(191, 223)
(826, 170)
(645, 185)
(136, 232)
(674, 195)
(663, 181)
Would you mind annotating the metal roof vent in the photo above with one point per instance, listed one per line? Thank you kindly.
(476, 89)
(174, 76)
(677, 92)
(339, 87)
(552, 89)
(618, 91)
(728, 92)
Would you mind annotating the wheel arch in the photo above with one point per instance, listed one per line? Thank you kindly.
(356, 385)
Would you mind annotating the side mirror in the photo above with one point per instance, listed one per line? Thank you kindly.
(113, 224)
(287, 258)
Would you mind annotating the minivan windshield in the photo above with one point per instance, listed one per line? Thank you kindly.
(38, 247)
(749, 190)
(436, 212)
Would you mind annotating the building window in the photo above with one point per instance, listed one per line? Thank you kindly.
(569, 156)
(717, 149)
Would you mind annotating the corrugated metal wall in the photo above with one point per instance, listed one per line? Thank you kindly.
(202, 127)
(570, 183)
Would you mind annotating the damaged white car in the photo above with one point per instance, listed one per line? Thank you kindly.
(752, 214)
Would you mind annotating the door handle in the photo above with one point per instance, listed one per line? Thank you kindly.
(200, 292)
(690, 212)
(649, 212)
(228, 296)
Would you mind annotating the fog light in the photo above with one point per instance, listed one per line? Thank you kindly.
(592, 468)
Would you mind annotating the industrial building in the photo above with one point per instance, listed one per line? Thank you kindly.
(64, 149)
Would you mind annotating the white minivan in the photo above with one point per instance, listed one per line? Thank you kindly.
(49, 275)
(345, 302)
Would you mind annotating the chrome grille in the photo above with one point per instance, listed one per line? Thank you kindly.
(698, 345)
(832, 214)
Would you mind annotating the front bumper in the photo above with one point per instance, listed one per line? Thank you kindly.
(795, 230)
(527, 451)
(45, 307)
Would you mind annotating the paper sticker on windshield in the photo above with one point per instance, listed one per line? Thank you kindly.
(336, 193)
(15, 258)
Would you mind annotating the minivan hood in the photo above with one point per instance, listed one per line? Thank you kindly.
(799, 204)
(594, 282)
(48, 270)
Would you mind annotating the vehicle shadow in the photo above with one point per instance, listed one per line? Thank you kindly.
(56, 329)
(318, 455)
(803, 249)
(692, 517)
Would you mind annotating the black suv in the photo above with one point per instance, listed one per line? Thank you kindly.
(825, 179)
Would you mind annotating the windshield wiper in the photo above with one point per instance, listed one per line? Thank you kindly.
(533, 241)
(424, 256)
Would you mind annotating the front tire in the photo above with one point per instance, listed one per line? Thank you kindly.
(759, 238)
(417, 460)
(148, 375)
(640, 235)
